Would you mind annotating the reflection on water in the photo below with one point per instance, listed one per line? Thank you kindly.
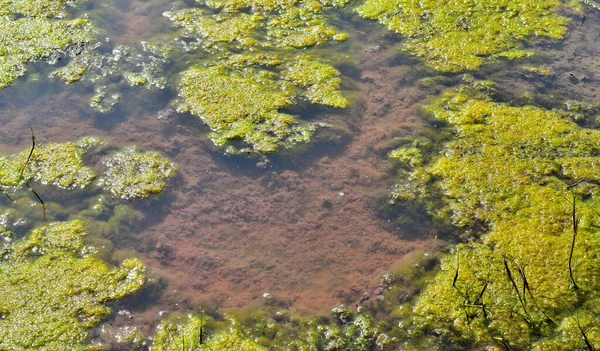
(230, 229)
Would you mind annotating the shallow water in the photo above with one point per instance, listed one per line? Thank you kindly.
(307, 229)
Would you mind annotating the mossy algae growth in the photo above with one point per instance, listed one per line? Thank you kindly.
(510, 169)
(52, 295)
(453, 36)
(240, 99)
(131, 173)
(254, 69)
(33, 30)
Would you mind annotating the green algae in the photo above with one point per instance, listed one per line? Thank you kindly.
(262, 330)
(33, 30)
(52, 296)
(463, 35)
(508, 169)
(56, 164)
(252, 70)
(240, 101)
(175, 335)
(131, 173)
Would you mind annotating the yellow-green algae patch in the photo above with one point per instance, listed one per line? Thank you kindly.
(173, 335)
(240, 99)
(52, 295)
(510, 169)
(266, 24)
(456, 35)
(33, 30)
(131, 173)
(253, 69)
(56, 164)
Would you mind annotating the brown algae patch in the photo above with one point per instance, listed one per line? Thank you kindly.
(33, 30)
(511, 169)
(53, 292)
(454, 36)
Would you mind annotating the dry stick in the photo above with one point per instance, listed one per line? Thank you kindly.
(30, 152)
(585, 338)
(514, 284)
(526, 286)
(33, 139)
(575, 227)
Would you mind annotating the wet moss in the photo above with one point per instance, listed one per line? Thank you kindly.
(509, 169)
(52, 296)
(462, 35)
(34, 30)
(131, 173)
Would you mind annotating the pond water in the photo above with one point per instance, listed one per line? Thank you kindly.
(311, 228)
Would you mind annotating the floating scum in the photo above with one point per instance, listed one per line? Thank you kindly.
(53, 292)
(531, 282)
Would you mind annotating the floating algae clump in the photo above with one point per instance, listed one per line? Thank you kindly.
(52, 296)
(131, 173)
(57, 164)
(240, 101)
(173, 336)
(31, 30)
(534, 275)
(454, 36)
(252, 70)
(258, 24)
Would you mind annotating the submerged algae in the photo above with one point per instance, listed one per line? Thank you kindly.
(52, 296)
(510, 169)
(454, 36)
(33, 30)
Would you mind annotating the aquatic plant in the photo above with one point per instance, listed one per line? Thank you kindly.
(530, 176)
(176, 335)
(56, 164)
(131, 173)
(454, 36)
(53, 292)
(33, 30)
(252, 70)
(240, 99)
